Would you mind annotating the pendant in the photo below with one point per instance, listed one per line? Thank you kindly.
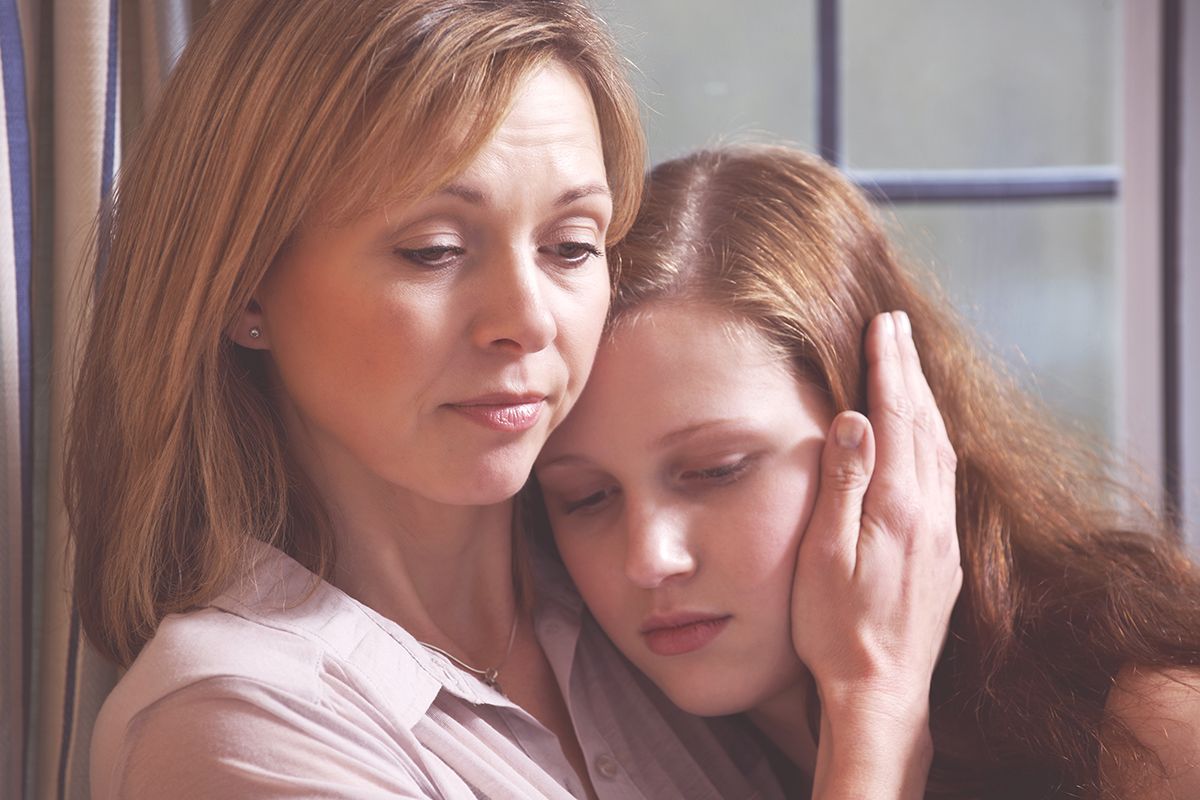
(492, 678)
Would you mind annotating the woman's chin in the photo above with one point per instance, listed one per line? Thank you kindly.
(490, 485)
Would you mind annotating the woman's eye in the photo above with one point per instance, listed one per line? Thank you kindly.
(720, 474)
(573, 253)
(591, 502)
(436, 256)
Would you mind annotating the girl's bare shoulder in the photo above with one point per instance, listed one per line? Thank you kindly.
(1161, 709)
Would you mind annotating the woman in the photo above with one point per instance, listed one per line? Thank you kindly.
(354, 277)
(1072, 667)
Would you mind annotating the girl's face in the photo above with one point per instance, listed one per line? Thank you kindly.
(678, 489)
(433, 345)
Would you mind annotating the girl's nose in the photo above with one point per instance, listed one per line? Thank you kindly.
(657, 548)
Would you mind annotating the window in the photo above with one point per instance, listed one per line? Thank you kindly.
(1016, 145)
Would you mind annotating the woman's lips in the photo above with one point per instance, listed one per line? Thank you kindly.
(503, 413)
(682, 633)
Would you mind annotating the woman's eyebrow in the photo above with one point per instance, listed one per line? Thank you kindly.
(477, 198)
(465, 193)
(580, 192)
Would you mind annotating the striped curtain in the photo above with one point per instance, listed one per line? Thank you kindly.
(78, 76)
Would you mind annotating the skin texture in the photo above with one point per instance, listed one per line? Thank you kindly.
(1162, 710)
(488, 285)
(383, 330)
(655, 514)
(696, 499)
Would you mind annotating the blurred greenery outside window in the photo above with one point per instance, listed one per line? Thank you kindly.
(989, 132)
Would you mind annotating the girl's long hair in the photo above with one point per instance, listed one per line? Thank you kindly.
(1061, 589)
(174, 454)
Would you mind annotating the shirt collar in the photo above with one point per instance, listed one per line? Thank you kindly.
(277, 591)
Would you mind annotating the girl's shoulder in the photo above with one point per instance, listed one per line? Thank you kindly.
(1160, 708)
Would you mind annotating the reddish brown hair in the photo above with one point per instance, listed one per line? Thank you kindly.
(1060, 591)
(175, 454)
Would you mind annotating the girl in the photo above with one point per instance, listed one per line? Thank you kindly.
(1071, 666)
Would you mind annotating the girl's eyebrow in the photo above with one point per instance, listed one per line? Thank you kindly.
(687, 431)
(565, 460)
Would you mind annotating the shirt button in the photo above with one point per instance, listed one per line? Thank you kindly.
(607, 766)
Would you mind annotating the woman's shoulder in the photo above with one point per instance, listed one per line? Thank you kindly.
(199, 655)
(221, 701)
(1160, 708)
(210, 642)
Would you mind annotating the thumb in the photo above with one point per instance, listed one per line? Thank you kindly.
(847, 462)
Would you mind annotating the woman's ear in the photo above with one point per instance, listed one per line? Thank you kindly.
(250, 330)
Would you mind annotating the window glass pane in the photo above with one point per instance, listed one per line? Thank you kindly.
(1039, 280)
(710, 69)
(980, 83)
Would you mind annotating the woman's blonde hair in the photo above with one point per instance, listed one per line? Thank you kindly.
(1060, 592)
(174, 452)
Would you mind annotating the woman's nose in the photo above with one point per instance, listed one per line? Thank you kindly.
(658, 548)
(514, 310)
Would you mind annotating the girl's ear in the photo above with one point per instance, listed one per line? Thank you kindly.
(250, 330)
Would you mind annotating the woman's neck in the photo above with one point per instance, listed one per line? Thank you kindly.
(442, 571)
(783, 719)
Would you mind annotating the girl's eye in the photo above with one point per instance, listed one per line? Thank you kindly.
(591, 502)
(573, 254)
(720, 474)
(440, 255)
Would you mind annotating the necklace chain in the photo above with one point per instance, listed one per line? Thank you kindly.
(491, 675)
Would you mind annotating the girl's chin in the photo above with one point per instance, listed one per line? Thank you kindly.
(714, 698)
(709, 694)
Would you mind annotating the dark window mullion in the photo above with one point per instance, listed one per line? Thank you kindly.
(1172, 125)
(829, 88)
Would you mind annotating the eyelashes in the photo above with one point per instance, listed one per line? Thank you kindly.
(567, 254)
(433, 256)
(573, 253)
(689, 480)
(589, 502)
(721, 474)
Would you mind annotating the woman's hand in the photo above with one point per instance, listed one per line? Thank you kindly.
(877, 576)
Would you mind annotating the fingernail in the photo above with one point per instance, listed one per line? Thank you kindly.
(850, 432)
(905, 323)
(889, 325)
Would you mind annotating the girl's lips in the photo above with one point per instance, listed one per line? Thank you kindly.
(516, 415)
(684, 634)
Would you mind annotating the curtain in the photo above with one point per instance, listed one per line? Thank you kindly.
(77, 79)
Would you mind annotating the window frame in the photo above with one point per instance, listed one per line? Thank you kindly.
(1152, 410)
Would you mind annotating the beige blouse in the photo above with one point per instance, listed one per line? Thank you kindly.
(268, 693)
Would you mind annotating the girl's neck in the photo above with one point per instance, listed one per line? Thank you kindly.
(784, 720)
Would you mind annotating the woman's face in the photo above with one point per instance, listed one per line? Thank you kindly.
(433, 345)
(678, 489)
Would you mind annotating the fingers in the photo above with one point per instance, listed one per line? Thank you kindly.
(914, 484)
(889, 406)
(933, 454)
(847, 463)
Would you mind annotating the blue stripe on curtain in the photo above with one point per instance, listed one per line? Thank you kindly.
(108, 164)
(16, 111)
